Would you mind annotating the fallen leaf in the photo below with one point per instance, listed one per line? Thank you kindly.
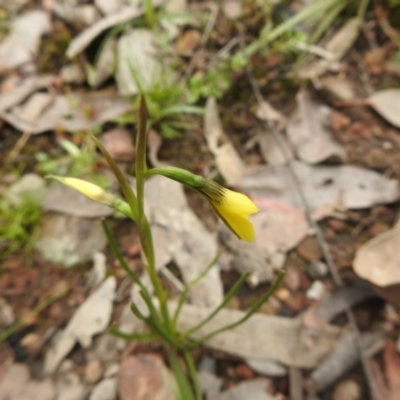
(387, 104)
(336, 302)
(22, 43)
(138, 68)
(72, 73)
(267, 367)
(74, 112)
(23, 90)
(339, 187)
(343, 357)
(92, 317)
(261, 336)
(279, 226)
(128, 13)
(227, 159)
(271, 152)
(378, 260)
(266, 112)
(309, 132)
(98, 272)
(338, 86)
(337, 47)
(109, 6)
(154, 143)
(77, 15)
(33, 107)
(105, 66)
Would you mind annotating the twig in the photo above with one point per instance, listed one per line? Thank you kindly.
(13, 154)
(295, 380)
(318, 233)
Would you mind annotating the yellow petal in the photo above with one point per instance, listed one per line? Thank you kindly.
(234, 209)
(89, 189)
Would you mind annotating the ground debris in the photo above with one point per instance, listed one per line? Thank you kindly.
(310, 134)
(262, 337)
(92, 317)
(15, 383)
(343, 357)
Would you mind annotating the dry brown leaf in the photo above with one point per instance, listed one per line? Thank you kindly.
(270, 150)
(387, 104)
(228, 161)
(138, 67)
(80, 42)
(92, 317)
(343, 357)
(335, 303)
(340, 187)
(22, 43)
(23, 90)
(261, 336)
(337, 47)
(154, 143)
(309, 132)
(74, 112)
(279, 226)
(254, 389)
(378, 260)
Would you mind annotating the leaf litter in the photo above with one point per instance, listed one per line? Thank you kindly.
(378, 190)
(92, 317)
(308, 131)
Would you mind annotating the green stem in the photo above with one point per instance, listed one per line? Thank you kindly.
(193, 374)
(253, 309)
(146, 238)
(184, 388)
(123, 182)
(235, 288)
(185, 293)
(44, 304)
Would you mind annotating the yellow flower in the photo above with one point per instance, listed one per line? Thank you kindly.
(90, 190)
(234, 209)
